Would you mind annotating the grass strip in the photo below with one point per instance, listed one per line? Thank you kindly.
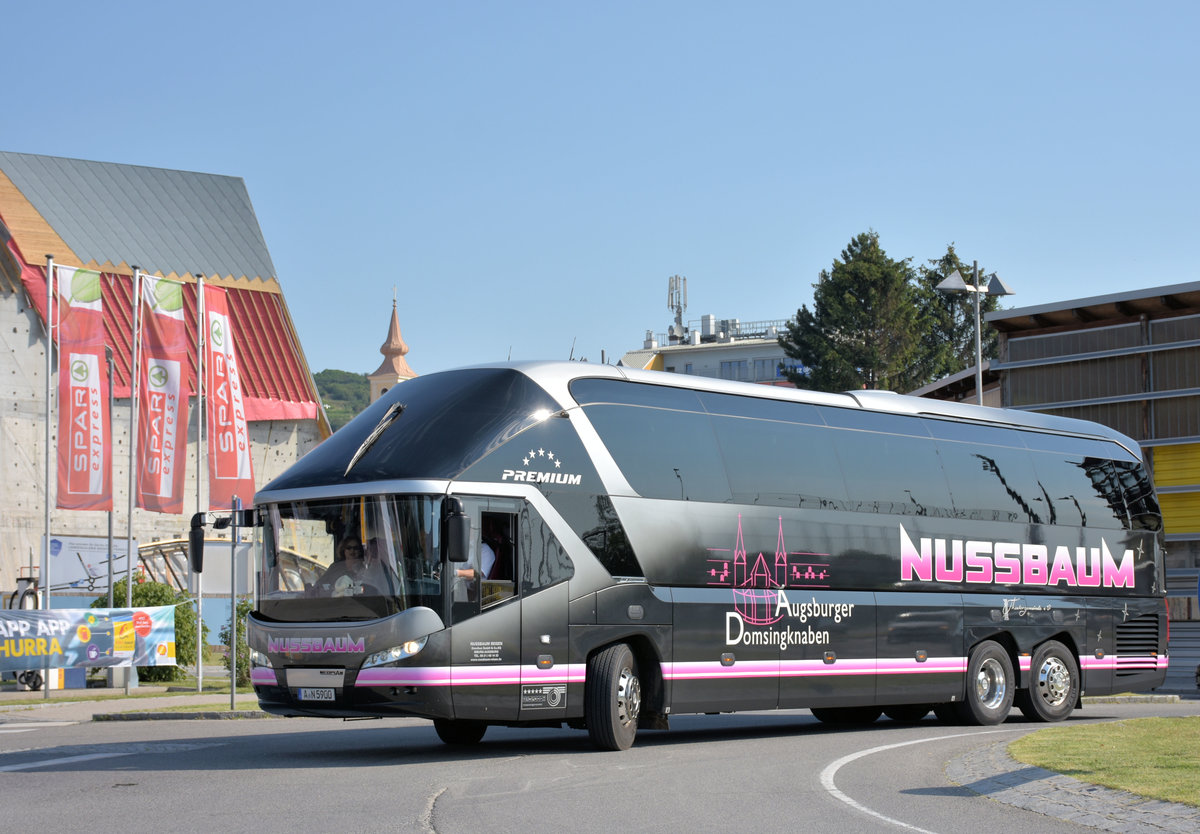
(1157, 758)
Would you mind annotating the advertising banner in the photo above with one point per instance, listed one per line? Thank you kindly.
(84, 428)
(229, 469)
(70, 637)
(80, 563)
(162, 397)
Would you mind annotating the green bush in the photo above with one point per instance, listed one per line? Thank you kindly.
(152, 594)
(244, 607)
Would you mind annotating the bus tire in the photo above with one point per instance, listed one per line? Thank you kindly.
(990, 687)
(847, 716)
(1053, 684)
(907, 713)
(459, 733)
(612, 698)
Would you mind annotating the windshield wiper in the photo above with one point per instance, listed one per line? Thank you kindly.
(389, 417)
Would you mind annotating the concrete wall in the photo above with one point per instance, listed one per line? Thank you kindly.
(275, 446)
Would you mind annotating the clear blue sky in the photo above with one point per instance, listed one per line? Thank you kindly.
(528, 175)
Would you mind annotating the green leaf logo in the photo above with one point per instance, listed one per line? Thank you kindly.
(168, 295)
(157, 376)
(85, 286)
(79, 370)
(218, 333)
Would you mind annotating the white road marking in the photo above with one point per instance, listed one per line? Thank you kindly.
(830, 771)
(65, 760)
(28, 726)
(122, 750)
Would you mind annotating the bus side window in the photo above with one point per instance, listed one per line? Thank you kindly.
(497, 556)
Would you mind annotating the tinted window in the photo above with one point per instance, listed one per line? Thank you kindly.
(974, 433)
(587, 391)
(1140, 501)
(449, 421)
(544, 562)
(1080, 491)
(594, 520)
(851, 418)
(663, 454)
(887, 473)
(781, 410)
(780, 464)
(992, 483)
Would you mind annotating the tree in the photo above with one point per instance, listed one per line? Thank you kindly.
(864, 328)
(152, 594)
(344, 395)
(948, 339)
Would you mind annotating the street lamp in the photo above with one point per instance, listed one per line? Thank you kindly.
(955, 283)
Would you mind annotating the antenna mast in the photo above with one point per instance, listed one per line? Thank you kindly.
(677, 301)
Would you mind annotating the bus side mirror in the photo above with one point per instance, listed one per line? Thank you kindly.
(458, 531)
(196, 542)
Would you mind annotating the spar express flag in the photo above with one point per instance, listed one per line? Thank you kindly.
(84, 426)
(229, 469)
(162, 397)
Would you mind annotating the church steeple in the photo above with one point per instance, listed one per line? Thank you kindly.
(394, 369)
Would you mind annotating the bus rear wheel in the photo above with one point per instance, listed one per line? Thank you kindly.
(1053, 684)
(989, 686)
(613, 698)
(459, 733)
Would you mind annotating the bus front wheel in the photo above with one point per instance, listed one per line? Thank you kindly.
(989, 686)
(1053, 684)
(613, 698)
(459, 733)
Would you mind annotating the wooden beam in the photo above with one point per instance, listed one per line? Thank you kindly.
(33, 234)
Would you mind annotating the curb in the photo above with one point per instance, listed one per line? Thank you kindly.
(1132, 699)
(181, 716)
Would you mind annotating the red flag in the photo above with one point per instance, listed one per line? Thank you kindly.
(84, 428)
(162, 397)
(229, 469)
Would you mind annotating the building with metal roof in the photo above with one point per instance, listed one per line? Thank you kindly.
(111, 218)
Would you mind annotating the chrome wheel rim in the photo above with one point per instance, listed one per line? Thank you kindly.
(1054, 681)
(990, 684)
(629, 697)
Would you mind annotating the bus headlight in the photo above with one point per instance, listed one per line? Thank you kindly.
(257, 658)
(395, 653)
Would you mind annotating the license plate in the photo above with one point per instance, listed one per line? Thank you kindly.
(315, 694)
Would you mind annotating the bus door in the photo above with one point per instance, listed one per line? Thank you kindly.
(921, 656)
(485, 616)
(827, 658)
(542, 571)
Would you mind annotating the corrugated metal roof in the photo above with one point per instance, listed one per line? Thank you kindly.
(161, 220)
(1155, 302)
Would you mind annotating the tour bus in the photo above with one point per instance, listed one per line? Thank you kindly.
(540, 544)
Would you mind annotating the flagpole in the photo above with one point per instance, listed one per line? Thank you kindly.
(134, 383)
(45, 578)
(199, 462)
(108, 361)
(233, 621)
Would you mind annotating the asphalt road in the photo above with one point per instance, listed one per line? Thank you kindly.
(752, 772)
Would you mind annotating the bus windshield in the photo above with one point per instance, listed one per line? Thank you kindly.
(343, 559)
